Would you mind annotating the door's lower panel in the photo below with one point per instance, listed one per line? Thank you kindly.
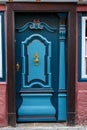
(36, 107)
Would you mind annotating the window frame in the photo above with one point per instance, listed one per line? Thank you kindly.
(83, 56)
(3, 75)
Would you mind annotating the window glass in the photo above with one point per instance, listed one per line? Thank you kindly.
(85, 47)
(82, 50)
(0, 49)
(86, 29)
(86, 65)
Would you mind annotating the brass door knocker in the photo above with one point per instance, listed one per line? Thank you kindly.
(36, 59)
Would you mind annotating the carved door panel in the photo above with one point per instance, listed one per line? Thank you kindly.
(40, 67)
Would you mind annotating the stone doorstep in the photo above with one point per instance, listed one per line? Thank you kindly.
(44, 128)
(63, 124)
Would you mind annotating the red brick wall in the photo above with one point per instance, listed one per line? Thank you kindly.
(81, 103)
(3, 105)
(81, 87)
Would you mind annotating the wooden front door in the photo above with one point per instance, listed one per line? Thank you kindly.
(40, 58)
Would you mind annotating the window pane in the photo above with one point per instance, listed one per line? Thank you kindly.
(86, 66)
(0, 49)
(85, 47)
(86, 29)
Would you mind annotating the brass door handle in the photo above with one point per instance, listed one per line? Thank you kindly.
(17, 67)
(36, 58)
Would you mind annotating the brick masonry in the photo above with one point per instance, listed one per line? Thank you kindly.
(3, 106)
(81, 103)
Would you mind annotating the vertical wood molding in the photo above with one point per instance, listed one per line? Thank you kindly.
(71, 69)
(70, 8)
(11, 67)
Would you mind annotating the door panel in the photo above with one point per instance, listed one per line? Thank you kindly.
(36, 51)
(40, 55)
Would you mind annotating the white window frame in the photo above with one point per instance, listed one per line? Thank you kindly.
(83, 64)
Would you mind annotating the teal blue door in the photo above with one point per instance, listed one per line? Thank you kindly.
(40, 59)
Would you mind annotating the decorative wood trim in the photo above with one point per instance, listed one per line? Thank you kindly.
(70, 8)
(36, 24)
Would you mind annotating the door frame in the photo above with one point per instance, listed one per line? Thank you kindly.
(70, 8)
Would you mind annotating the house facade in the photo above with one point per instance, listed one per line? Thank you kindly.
(43, 69)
